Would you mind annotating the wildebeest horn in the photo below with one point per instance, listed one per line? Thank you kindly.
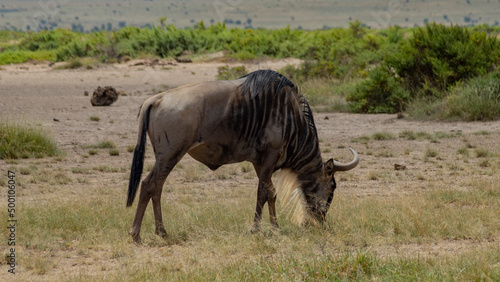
(337, 166)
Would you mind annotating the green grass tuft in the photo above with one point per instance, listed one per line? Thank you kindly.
(383, 136)
(228, 73)
(106, 144)
(22, 141)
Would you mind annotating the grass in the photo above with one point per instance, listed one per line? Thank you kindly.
(229, 73)
(367, 236)
(361, 139)
(71, 64)
(430, 153)
(21, 56)
(406, 134)
(383, 136)
(482, 153)
(192, 172)
(326, 95)
(106, 168)
(57, 177)
(24, 141)
(106, 144)
(463, 151)
(475, 100)
(80, 170)
(95, 118)
(210, 239)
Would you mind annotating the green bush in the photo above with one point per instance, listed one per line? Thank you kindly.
(476, 100)
(18, 141)
(426, 66)
(47, 40)
(440, 56)
(479, 99)
(380, 93)
(21, 56)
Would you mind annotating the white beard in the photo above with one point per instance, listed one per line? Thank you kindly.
(291, 197)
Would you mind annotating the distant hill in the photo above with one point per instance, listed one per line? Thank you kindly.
(89, 15)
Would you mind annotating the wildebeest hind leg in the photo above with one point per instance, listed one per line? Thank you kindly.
(151, 188)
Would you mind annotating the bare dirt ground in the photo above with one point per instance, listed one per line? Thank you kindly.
(54, 100)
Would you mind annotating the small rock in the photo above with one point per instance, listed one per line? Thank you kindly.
(399, 167)
(400, 115)
(55, 119)
(104, 96)
(85, 93)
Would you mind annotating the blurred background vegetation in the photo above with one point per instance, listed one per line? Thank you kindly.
(437, 71)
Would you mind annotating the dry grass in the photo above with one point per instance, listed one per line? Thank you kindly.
(210, 239)
(435, 222)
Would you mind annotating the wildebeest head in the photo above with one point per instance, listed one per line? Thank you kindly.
(318, 189)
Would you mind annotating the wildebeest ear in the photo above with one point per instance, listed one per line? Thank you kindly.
(329, 167)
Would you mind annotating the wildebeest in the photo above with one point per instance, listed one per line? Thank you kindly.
(261, 118)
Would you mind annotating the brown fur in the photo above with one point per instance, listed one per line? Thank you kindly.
(260, 118)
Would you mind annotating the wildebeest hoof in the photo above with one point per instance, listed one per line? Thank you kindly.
(135, 236)
(256, 229)
(161, 232)
(137, 239)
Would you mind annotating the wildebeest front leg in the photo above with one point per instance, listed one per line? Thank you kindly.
(265, 193)
(271, 202)
(262, 196)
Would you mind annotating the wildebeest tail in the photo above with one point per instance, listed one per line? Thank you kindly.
(138, 159)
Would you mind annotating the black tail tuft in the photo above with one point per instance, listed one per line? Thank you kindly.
(138, 161)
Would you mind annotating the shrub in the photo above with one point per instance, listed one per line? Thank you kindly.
(20, 141)
(310, 70)
(21, 56)
(228, 73)
(439, 56)
(479, 99)
(436, 58)
(380, 93)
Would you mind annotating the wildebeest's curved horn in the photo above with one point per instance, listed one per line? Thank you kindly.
(348, 166)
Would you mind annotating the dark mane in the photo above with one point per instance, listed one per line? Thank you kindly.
(263, 81)
(308, 114)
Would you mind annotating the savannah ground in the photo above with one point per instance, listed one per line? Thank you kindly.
(437, 219)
